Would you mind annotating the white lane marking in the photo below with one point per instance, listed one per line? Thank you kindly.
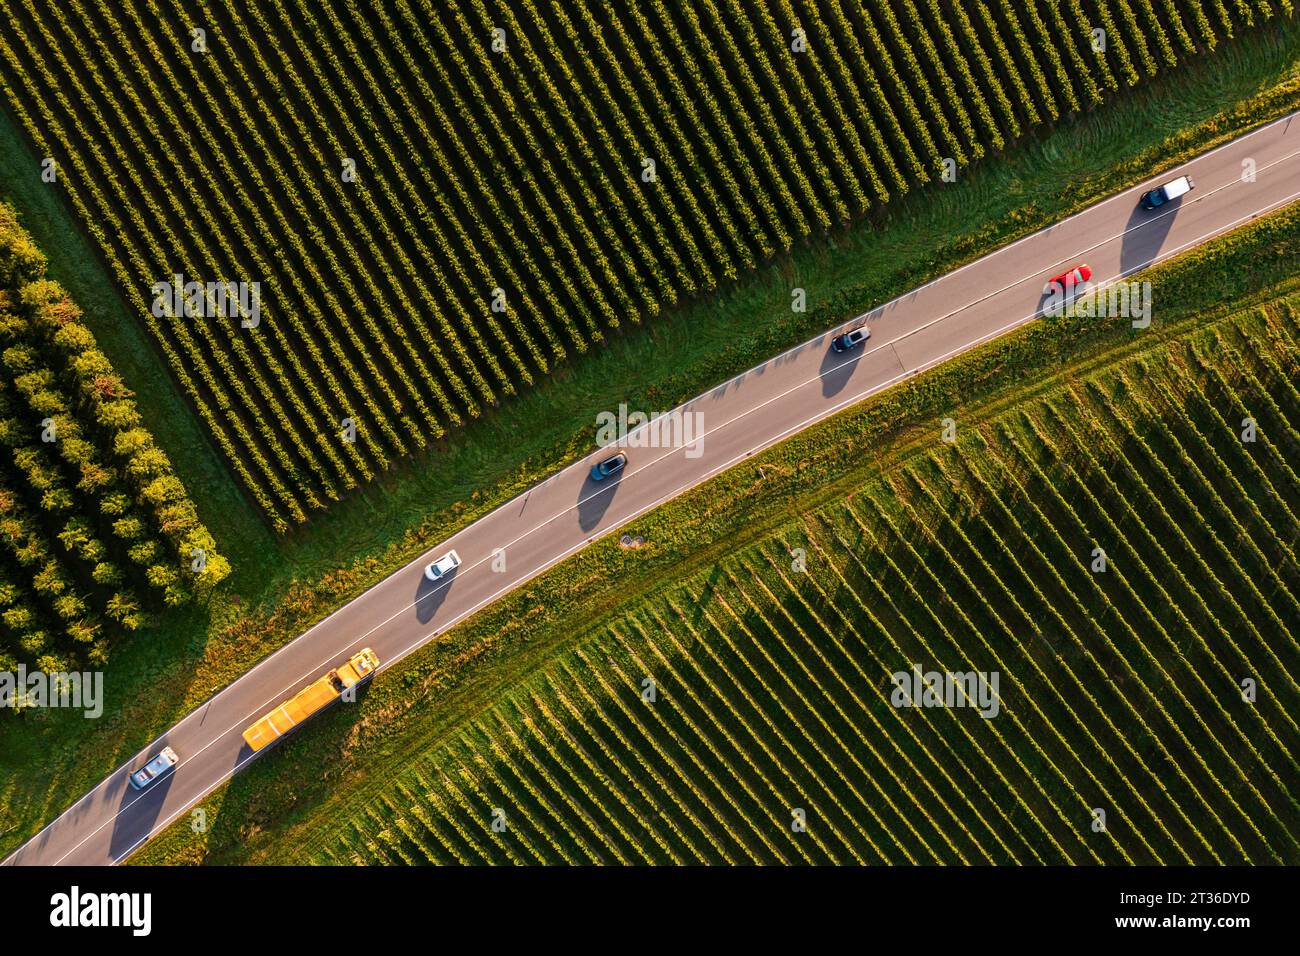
(887, 343)
(1073, 256)
(822, 414)
(1142, 187)
(1241, 140)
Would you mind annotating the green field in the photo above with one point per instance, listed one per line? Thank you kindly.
(444, 203)
(280, 585)
(1120, 691)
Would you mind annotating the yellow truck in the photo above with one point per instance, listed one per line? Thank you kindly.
(312, 699)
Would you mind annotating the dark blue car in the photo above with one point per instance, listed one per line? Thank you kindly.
(850, 340)
(610, 466)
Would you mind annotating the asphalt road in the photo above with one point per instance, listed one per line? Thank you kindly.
(978, 302)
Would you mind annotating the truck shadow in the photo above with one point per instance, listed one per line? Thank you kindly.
(321, 741)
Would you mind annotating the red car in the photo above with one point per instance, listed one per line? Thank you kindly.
(1066, 281)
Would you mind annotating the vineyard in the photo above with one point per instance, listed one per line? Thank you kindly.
(442, 202)
(95, 528)
(1148, 705)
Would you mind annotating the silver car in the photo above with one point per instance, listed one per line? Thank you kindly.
(155, 768)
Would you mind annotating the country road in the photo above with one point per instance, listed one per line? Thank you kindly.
(752, 411)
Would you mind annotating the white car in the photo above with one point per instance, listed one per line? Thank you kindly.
(155, 768)
(443, 566)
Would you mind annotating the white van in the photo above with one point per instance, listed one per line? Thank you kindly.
(1169, 191)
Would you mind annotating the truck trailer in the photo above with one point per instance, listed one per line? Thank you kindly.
(312, 699)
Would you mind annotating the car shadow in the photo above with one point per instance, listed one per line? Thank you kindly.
(1058, 301)
(131, 825)
(429, 595)
(838, 367)
(594, 499)
(1145, 234)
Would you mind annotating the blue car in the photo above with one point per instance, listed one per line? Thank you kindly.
(154, 769)
(850, 340)
(1168, 192)
(610, 466)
